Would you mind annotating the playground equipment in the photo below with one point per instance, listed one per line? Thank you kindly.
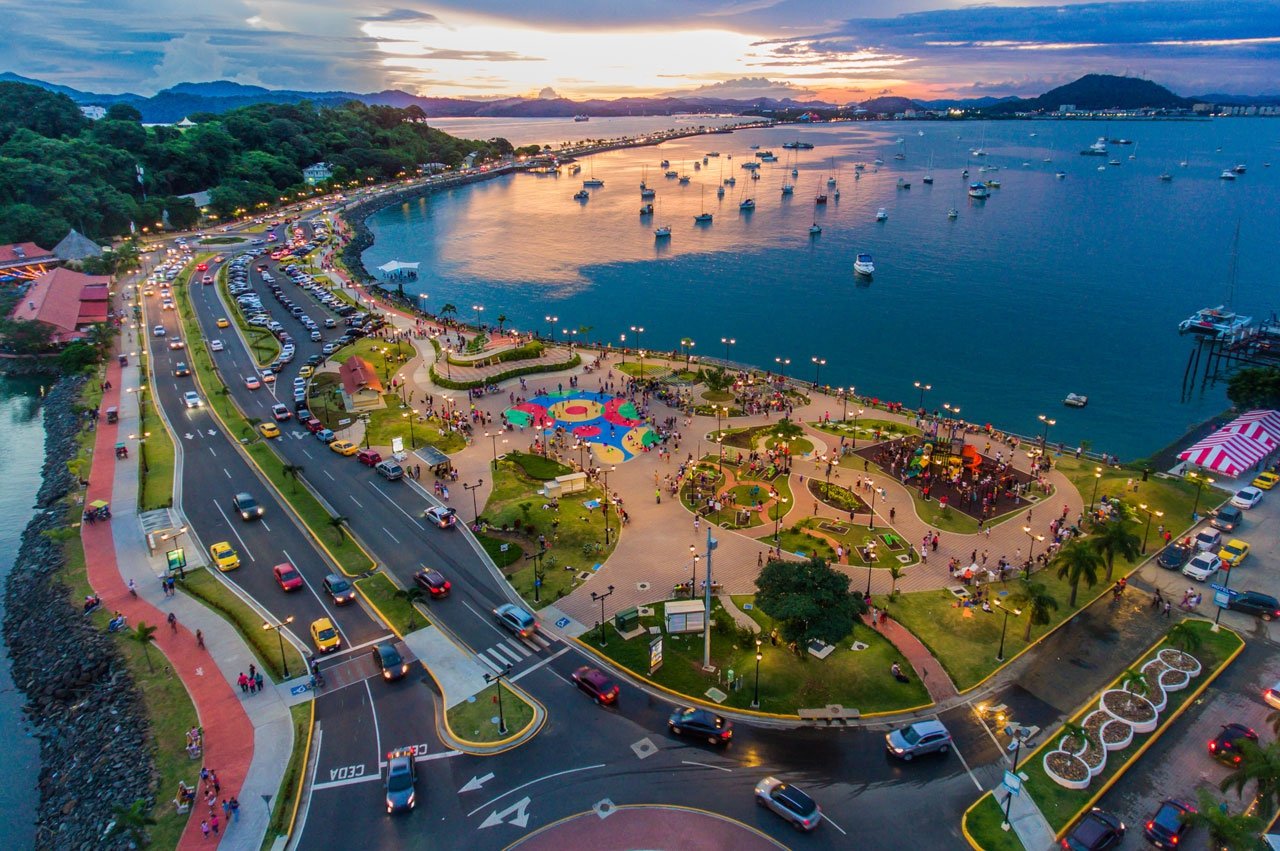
(920, 462)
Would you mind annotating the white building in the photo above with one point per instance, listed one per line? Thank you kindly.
(94, 113)
(317, 173)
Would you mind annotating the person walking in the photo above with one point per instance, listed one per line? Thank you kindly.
(243, 681)
(235, 809)
(199, 639)
(259, 680)
(173, 622)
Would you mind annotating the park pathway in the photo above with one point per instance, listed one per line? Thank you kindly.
(927, 667)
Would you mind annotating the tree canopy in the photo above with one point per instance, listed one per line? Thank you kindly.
(1255, 387)
(59, 170)
(809, 599)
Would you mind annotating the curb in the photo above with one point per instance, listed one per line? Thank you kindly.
(302, 774)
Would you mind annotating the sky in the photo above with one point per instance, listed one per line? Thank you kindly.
(831, 50)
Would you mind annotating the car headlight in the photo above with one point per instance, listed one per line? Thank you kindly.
(899, 750)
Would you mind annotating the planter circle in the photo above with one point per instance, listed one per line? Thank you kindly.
(1180, 661)
(1174, 680)
(1139, 705)
(1067, 782)
(1121, 731)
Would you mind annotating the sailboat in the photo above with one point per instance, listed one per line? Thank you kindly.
(592, 180)
(662, 232)
(831, 181)
(902, 150)
(1134, 155)
(953, 213)
(815, 228)
(980, 151)
(645, 190)
(704, 217)
(882, 215)
(1220, 321)
(928, 175)
(787, 186)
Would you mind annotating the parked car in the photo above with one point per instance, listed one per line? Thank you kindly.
(369, 457)
(1202, 566)
(517, 620)
(1247, 498)
(1256, 603)
(433, 582)
(701, 724)
(387, 659)
(1207, 540)
(1266, 480)
(1174, 556)
(596, 684)
(918, 738)
(790, 802)
(1098, 830)
(326, 436)
(389, 470)
(344, 447)
(1226, 746)
(1227, 518)
(1271, 696)
(1233, 552)
(1168, 825)
(441, 515)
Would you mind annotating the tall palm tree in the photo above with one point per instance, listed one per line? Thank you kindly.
(131, 822)
(146, 636)
(413, 595)
(1261, 765)
(1116, 538)
(502, 320)
(1225, 830)
(1078, 561)
(1185, 637)
(895, 573)
(338, 522)
(292, 471)
(449, 310)
(1071, 730)
(1034, 599)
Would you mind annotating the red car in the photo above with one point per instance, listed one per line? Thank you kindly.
(202, 267)
(288, 578)
(432, 581)
(312, 425)
(596, 684)
(368, 457)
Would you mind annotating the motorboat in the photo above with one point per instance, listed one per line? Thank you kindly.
(1227, 174)
(582, 118)
(953, 213)
(1113, 162)
(1061, 175)
(1166, 177)
(755, 175)
(820, 199)
(720, 191)
(582, 195)
(663, 232)
(993, 184)
(701, 218)
(831, 181)
(730, 181)
(836, 193)
(575, 168)
(1239, 169)
(797, 146)
(684, 180)
(1075, 400)
(713, 153)
(902, 184)
(646, 210)
(592, 182)
(1214, 322)
(646, 192)
(1097, 149)
(754, 147)
(747, 204)
(862, 265)
(927, 179)
(665, 164)
(882, 215)
(671, 172)
(788, 188)
(979, 191)
(750, 166)
(815, 229)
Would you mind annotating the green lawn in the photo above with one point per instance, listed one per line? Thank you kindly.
(504, 553)
(208, 589)
(537, 466)
(220, 240)
(476, 719)
(983, 823)
(746, 493)
(1060, 805)
(385, 424)
(574, 533)
(264, 345)
(384, 595)
(853, 678)
(286, 801)
(857, 535)
(868, 429)
(385, 357)
(652, 369)
(155, 479)
(714, 396)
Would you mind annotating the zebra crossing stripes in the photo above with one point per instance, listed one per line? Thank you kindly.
(510, 652)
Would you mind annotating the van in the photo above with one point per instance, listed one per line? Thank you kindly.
(1227, 518)
(389, 470)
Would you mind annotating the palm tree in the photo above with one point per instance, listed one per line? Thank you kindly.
(1116, 538)
(1078, 561)
(1134, 682)
(146, 636)
(1075, 731)
(411, 595)
(895, 573)
(1261, 765)
(131, 822)
(292, 471)
(449, 309)
(1225, 830)
(502, 320)
(338, 522)
(1185, 637)
(1034, 599)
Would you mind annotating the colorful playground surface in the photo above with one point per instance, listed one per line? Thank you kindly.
(610, 425)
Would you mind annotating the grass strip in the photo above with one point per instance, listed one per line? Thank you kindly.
(982, 823)
(208, 589)
(393, 607)
(156, 457)
(475, 720)
(285, 808)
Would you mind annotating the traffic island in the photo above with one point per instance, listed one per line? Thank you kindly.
(1072, 770)
(855, 673)
(396, 606)
(208, 589)
(477, 720)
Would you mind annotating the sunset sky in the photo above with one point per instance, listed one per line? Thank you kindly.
(835, 50)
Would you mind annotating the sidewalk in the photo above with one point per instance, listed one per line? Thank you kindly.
(926, 665)
(247, 741)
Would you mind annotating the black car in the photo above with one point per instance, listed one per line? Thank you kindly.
(315, 360)
(1174, 556)
(402, 776)
(1255, 603)
(1166, 828)
(339, 589)
(701, 724)
(1226, 746)
(1097, 831)
(247, 507)
(387, 659)
(181, 369)
(432, 581)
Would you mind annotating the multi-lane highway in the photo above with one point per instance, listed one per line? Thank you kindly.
(585, 756)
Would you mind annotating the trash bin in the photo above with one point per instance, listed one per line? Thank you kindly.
(627, 619)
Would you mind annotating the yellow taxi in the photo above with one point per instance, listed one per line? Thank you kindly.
(224, 557)
(1266, 481)
(325, 635)
(269, 430)
(306, 371)
(223, 323)
(1233, 552)
(344, 447)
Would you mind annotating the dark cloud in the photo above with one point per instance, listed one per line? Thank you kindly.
(400, 16)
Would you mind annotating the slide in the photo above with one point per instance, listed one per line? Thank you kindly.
(972, 459)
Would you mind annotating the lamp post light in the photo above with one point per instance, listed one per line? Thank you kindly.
(783, 363)
(605, 504)
(1097, 478)
(953, 414)
(479, 309)
(923, 388)
(871, 526)
(1147, 532)
(777, 522)
(1044, 435)
(475, 513)
(1201, 480)
(687, 344)
(602, 598)
(638, 330)
(1004, 626)
(493, 437)
(720, 443)
(844, 404)
(622, 344)
(551, 332)
(1031, 553)
(278, 626)
(755, 701)
(856, 414)
(640, 355)
(536, 558)
(728, 341)
(497, 678)
(408, 415)
(693, 578)
(142, 449)
(818, 364)
(423, 307)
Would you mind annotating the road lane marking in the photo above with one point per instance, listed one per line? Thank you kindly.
(350, 781)
(533, 668)
(264, 525)
(331, 478)
(377, 754)
(224, 469)
(707, 765)
(211, 452)
(966, 768)
(308, 454)
(828, 820)
(519, 648)
(232, 526)
(485, 659)
(389, 535)
(385, 496)
(493, 801)
(356, 501)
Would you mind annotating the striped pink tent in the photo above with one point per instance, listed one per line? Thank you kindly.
(1254, 431)
(1225, 452)
(1268, 420)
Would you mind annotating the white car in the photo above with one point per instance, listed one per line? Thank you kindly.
(191, 399)
(1272, 696)
(216, 345)
(1247, 498)
(1202, 566)
(158, 331)
(1208, 540)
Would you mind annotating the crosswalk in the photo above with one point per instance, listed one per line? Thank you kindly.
(511, 652)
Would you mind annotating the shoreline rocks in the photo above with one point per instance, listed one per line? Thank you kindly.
(82, 702)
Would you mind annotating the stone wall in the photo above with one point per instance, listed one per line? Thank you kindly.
(81, 699)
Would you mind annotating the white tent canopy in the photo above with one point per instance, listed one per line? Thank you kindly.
(397, 266)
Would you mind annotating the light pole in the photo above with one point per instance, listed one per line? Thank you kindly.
(687, 344)
(622, 341)
(1201, 480)
(142, 449)
(1004, 626)
(640, 355)
(755, 701)
(493, 437)
(953, 413)
(475, 513)
(1031, 553)
(498, 678)
(638, 330)
(278, 626)
(777, 522)
(871, 526)
(856, 414)
(818, 364)
(551, 332)
(1097, 478)
(602, 598)
(1044, 435)
(1017, 751)
(605, 505)
(783, 363)
(1147, 532)
(693, 578)
(412, 441)
(923, 388)
(479, 309)
(728, 341)
(536, 558)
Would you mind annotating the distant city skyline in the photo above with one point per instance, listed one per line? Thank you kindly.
(831, 50)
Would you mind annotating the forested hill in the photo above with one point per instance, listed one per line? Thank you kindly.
(60, 170)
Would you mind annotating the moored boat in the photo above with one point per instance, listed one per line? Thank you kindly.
(1075, 400)
(882, 215)
(582, 195)
(862, 265)
(979, 191)
(1214, 322)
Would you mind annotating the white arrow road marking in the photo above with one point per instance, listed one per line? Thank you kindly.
(475, 783)
(188, 436)
(520, 808)
(493, 801)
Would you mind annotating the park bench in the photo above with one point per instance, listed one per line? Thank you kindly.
(831, 714)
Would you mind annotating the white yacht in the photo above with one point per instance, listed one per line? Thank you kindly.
(1227, 174)
(979, 191)
(882, 215)
(862, 265)
(1214, 322)
(663, 232)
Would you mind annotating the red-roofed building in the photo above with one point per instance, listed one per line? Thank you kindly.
(361, 387)
(25, 261)
(69, 302)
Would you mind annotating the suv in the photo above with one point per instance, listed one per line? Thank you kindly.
(517, 620)
(789, 802)
(919, 738)
(389, 470)
(339, 589)
(432, 581)
(247, 507)
(1256, 603)
(387, 659)
(1227, 518)
(441, 515)
(1168, 826)
(597, 684)
(1097, 831)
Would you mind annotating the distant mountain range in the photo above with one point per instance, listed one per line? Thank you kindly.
(1092, 91)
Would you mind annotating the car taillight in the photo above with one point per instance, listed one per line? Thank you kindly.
(1213, 746)
(1150, 825)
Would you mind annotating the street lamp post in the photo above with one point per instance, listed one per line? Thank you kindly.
(640, 355)
(687, 344)
(1097, 478)
(1008, 801)
(278, 626)
(818, 364)
(1004, 626)
(1044, 435)
(1201, 480)
(638, 330)
(871, 525)
(755, 701)
(536, 558)
(783, 363)
(475, 512)
(1147, 532)
(856, 414)
(923, 388)
(622, 344)
(728, 341)
(498, 678)
(478, 308)
(605, 505)
(777, 522)
(408, 415)
(953, 413)
(493, 438)
(1031, 553)
(602, 598)
(693, 577)
(551, 332)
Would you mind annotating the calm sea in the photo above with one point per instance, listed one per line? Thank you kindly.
(1050, 287)
(21, 424)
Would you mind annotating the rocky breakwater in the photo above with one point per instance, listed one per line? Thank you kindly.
(81, 699)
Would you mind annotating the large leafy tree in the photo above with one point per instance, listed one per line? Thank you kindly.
(1255, 387)
(809, 600)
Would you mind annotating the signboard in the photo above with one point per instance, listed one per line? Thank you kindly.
(655, 654)
(176, 560)
(397, 445)
(1222, 589)
(1222, 598)
(1012, 783)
